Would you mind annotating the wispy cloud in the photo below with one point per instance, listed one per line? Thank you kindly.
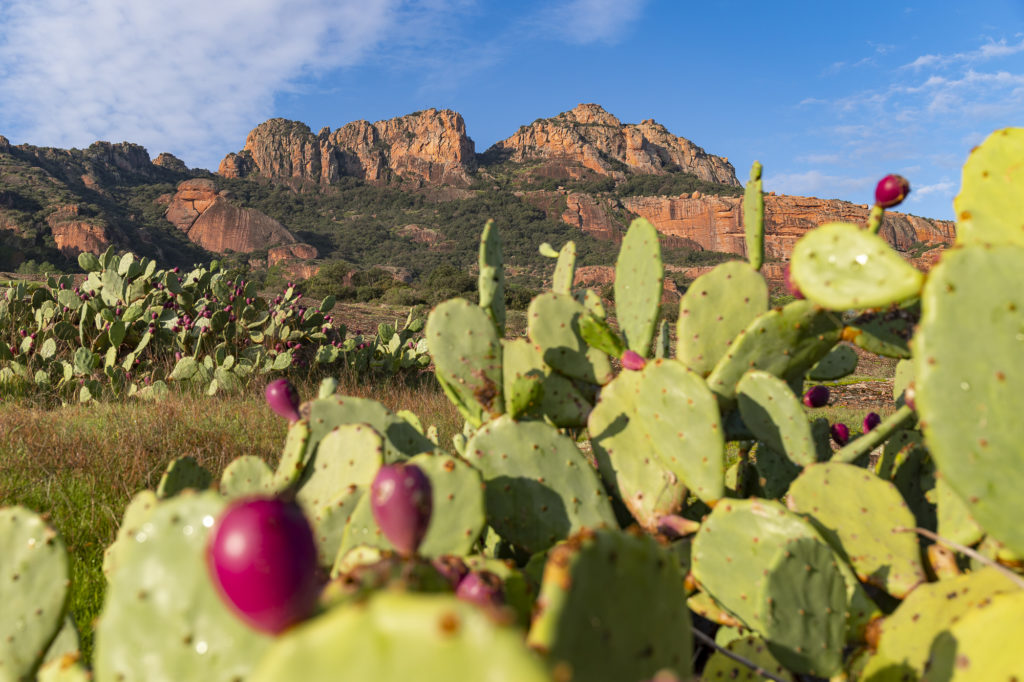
(591, 21)
(985, 52)
(815, 183)
(173, 76)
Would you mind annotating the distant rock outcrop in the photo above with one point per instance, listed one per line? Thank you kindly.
(591, 138)
(210, 220)
(170, 162)
(426, 147)
(74, 234)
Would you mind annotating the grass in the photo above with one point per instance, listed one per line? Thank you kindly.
(80, 465)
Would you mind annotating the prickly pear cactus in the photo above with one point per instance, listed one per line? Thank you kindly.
(838, 363)
(988, 207)
(715, 309)
(969, 403)
(135, 514)
(565, 269)
(34, 591)
(843, 267)
(401, 439)
(865, 519)
(539, 487)
(553, 324)
(983, 645)
(163, 579)
(560, 400)
(573, 611)
(638, 282)
(491, 280)
(246, 475)
(753, 217)
(395, 637)
(776, 416)
(183, 473)
(753, 649)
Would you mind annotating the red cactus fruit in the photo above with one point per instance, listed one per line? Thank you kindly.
(891, 191)
(262, 558)
(401, 499)
(482, 588)
(453, 568)
(633, 360)
(871, 420)
(816, 396)
(840, 433)
(283, 399)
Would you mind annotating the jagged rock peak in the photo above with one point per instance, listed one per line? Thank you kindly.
(425, 147)
(170, 162)
(590, 137)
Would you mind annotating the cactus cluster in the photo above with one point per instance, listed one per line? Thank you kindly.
(587, 515)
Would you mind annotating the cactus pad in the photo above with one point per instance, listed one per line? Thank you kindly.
(988, 209)
(753, 217)
(464, 344)
(753, 649)
(565, 269)
(955, 522)
(246, 475)
(984, 645)
(638, 283)
(970, 403)
(539, 487)
(34, 582)
(841, 361)
(491, 280)
(862, 517)
(181, 474)
(646, 630)
(680, 417)
(842, 267)
(553, 324)
(438, 637)
(776, 416)
(401, 439)
(163, 579)
(559, 400)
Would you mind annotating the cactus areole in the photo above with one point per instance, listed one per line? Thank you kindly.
(263, 559)
(401, 499)
(283, 399)
(891, 191)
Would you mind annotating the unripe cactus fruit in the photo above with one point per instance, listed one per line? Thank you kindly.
(482, 588)
(283, 399)
(262, 557)
(816, 396)
(871, 420)
(840, 433)
(633, 360)
(401, 499)
(891, 191)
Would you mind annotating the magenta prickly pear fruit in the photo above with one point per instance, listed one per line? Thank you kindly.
(891, 191)
(482, 588)
(840, 433)
(791, 288)
(401, 499)
(263, 559)
(283, 399)
(871, 420)
(453, 568)
(816, 396)
(633, 360)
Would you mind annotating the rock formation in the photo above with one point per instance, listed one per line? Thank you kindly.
(74, 233)
(210, 220)
(589, 137)
(170, 162)
(426, 147)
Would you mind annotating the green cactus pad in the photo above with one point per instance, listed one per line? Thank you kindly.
(553, 324)
(394, 637)
(984, 645)
(34, 588)
(246, 475)
(491, 280)
(66, 643)
(988, 208)
(970, 403)
(401, 439)
(136, 513)
(645, 483)
(844, 267)
(560, 401)
(907, 635)
(183, 473)
(841, 361)
(638, 282)
(539, 487)
(885, 333)
(163, 580)
(753, 217)
(775, 471)
(464, 344)
(715, 309)
(954, 518)
(646, 630)
(785, 342)
(753, 649)
(339, 473)
(776, 416)
(565, 269)
(63, 669)
(903, 377)
(680, 416)
(297, 451)
(862, 517)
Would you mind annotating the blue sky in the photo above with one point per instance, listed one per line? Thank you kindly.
(828, 95)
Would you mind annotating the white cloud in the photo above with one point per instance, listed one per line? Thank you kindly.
(989, 50)
(943, 187)
(177, 77)
(591, 21)
(814, 183)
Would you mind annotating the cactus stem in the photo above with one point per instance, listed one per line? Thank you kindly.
(963, 549)
(875, 219)
(758, 670)
(869, 441)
